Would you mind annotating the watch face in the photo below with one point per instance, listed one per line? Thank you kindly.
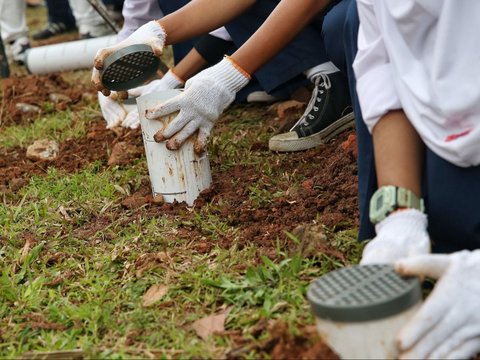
(379, 203)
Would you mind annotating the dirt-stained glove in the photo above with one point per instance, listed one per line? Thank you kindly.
(206, 96)
(400, 235)
(447, 326)
(151, 33)
(168, 81)
(113, 112)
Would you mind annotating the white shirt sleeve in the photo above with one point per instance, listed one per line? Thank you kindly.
(373, 70)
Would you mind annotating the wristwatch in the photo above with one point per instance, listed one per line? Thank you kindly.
(387, 199)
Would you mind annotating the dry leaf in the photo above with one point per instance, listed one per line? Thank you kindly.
(211, 324)
(30, 242)
(64, 213)
(155, 293)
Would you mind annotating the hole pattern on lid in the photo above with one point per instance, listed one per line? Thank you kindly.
(128, 67)
(359, 286)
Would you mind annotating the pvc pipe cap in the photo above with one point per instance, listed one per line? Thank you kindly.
(129, 67)
(363, 293)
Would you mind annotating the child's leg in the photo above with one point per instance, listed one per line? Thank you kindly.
(284, 73)
(12, 20)
(59, 11)
(367, 180)
(89, 22)
(452, 198)
(60, 20)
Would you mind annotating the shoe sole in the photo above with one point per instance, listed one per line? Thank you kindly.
(304, 143)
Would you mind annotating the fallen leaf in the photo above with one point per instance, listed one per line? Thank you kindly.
(211, 324)
(30, 242)
(64, 213)
(153, 294)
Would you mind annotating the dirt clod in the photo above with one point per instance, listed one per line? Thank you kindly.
(288, 112)
(124, 152)
(350, 145)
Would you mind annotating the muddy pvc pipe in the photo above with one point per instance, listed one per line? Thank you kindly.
(73, 55)
(175, 175)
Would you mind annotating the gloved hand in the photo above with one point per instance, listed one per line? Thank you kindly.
(113, 112)
(151, 33)
(205, 97)
(168, 81)
(401, 234)
(447, 326)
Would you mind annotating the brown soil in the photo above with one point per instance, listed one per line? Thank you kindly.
(326, 196)
(37, 91)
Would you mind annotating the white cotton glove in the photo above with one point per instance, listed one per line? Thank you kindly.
(401, 234)
(205, 97)
(447, 326)
(168, 81)
(113, 112)
(151, 34)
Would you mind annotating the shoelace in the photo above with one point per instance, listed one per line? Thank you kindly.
(321, 81)
(55, 28)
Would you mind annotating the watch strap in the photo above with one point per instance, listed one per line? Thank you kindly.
(389, 198)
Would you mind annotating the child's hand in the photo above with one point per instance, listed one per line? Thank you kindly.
(151, 34)
(447, 326)
(402, 234)
(205, 97)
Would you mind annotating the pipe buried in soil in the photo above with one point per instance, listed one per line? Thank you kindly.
(175, 175)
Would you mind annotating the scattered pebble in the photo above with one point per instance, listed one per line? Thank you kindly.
(28, 108)
(43, 150)
(58, 98)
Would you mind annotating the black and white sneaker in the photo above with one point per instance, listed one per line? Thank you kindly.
(328, 113)
(18, 49)
(52, 29)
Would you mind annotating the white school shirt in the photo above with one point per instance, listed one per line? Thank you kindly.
(423, 56)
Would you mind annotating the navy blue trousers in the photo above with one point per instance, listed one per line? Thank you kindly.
(451, 193)
(284, 73)
(59, 11)
(183, 48)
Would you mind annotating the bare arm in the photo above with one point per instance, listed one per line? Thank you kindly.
(398, 152)
(283, 24)
(200, 17)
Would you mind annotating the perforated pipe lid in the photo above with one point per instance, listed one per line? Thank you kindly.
(363, 293)
(129, 67)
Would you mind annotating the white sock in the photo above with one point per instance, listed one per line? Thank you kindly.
(325, 68)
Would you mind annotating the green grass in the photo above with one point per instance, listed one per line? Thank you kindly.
(79, 285)
(97, 304)
(55, 126)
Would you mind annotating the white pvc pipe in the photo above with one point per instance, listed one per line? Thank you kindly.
(71, 55)
(175, 175)
(375, 339)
